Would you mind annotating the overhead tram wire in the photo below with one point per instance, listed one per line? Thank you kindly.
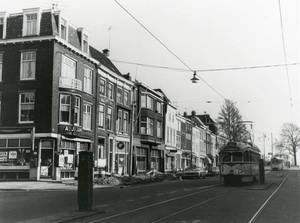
(284, 51)
(167, 48)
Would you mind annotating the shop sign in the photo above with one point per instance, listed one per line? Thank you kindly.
(44, 170)
(12, 155)
(72, 129)
(3, 156)
(120, 145)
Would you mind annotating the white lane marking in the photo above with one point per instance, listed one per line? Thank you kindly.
(146, 197)
(160, 194)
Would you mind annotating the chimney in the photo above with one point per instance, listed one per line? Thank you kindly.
(106, 52)
(193, 113)
(184, 114)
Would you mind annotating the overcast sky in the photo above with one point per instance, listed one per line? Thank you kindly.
(201, 35)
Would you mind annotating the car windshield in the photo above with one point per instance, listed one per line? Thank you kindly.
(193, 168)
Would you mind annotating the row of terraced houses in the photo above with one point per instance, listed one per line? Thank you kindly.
(59, 96)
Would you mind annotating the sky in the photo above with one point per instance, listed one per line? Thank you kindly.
(238, 48)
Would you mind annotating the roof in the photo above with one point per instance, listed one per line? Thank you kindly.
(97, 55)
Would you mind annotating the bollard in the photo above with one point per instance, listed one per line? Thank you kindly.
(85, 181)
(262, 171)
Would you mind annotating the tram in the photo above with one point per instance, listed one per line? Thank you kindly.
(277, 163)
(239, 162)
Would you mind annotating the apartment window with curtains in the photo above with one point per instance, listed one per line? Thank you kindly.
(77, 111)
(102, 86)
(158, 126)
(26, 107)
(68, 69)
(125, 122)
(119, 95)
(110, 91)
(1, 27)
(87, 116)
(31, 24)
(126, 98)
(109, 118)
(65, 108)
(28, 63)
(88, 80)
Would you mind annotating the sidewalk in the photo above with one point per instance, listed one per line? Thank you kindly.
(59, 185)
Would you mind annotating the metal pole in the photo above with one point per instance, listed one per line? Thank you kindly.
(131, 141)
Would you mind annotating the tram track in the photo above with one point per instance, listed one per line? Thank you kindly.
(115, 216)
(260, 210)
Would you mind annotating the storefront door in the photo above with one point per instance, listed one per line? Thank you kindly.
(46, 163)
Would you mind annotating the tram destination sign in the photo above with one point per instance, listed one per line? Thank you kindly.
(231, 149)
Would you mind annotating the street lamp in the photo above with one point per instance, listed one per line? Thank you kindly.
(194, 79)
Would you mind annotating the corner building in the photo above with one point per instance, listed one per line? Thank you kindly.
(47, 93)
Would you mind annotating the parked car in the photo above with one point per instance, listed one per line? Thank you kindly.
(193, 172)
(215, 171)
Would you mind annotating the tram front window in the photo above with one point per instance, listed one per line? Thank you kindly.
(237, 157)
(227, 158)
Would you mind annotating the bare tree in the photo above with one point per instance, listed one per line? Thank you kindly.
(230, 123)
(290, 140)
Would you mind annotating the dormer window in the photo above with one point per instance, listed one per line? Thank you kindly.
(85, 43)
(31, 22)
(3, 18)
(84, 40)
(63, 29)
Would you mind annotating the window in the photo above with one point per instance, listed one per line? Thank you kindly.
(143, 101)
(85, 43)
(1, 66)
(2, 28)
(28, 60)
(65, 108)
(158, 107)
(150, 126)
(119, 121)
(149, 102)
(77, 111)
(109, 118)
(126, 98)
(102, 86)
(26, 110)
(119, 95)
(125, 122)
(159, 125)
(63, 29)
(101, 116)
(110, 91)
(146, 126)
(31, 24)
(87, 116)
(88, 80)
(68, 69)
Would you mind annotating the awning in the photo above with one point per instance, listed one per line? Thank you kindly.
(208, 160)
(76, 139)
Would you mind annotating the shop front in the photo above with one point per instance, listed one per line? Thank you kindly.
(16, 154)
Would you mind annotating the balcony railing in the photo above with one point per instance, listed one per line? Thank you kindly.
(70, 83)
